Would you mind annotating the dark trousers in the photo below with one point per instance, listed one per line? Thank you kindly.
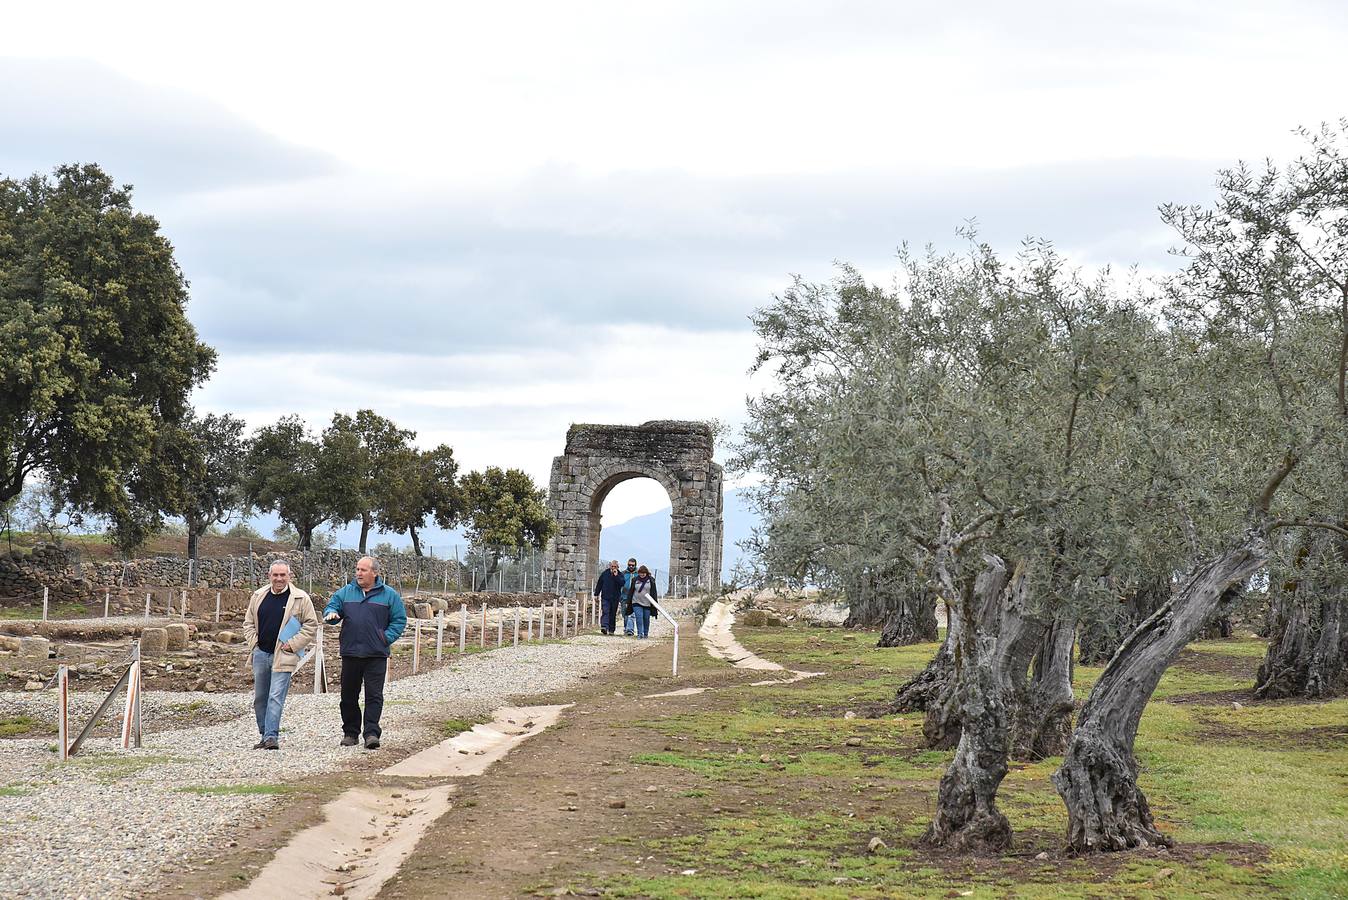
(358, 670)
(608, 616)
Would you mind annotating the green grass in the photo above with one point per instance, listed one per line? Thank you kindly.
(236, 790)
(12, 791)
(12, 726)
(1256, 795)
(452, 727)
(54, 611)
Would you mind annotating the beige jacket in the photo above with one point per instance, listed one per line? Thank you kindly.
(299, 606)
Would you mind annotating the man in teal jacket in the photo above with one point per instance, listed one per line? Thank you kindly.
(372, 616)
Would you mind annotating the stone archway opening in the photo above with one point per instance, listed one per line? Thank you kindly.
(677, 455)
(638, 541)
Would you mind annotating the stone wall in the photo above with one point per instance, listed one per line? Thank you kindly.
(69, 578)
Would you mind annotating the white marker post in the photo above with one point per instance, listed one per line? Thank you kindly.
(107, 600)
(517, 626)
(416, 645)
(217, 607)
(63, 711)
(147, 607)
(45, 594)
(463, 626)
(184, 604)
(482, 635)
(439, 635)
(500, 627)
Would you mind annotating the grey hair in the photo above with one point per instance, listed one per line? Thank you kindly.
(374, 563)
(281, 562)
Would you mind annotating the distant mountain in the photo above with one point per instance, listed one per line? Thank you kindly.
(647, 537)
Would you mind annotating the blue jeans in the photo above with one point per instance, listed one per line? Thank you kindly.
(269, 694)
(643, 616)
(630, 622)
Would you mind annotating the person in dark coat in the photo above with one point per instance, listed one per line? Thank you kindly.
(608, 590)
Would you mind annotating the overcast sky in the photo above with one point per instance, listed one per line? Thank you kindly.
(488, 221)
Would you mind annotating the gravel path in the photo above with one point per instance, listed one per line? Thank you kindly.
(110, 823)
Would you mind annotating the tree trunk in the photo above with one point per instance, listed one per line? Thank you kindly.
(306, 532)
(1308, 650)
(1100, 637)
(1044, 723)
(1098, 779)
(416, 542)
(364, 530)
(911, 619)
(991, 658)
(920, 691)
(194, 532)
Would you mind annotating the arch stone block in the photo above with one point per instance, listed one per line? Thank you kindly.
(598, 457)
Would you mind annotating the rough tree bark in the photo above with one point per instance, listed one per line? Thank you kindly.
(1098, 779)
(1044, 722)
(923, 689)
(1308, 650)
(1100, 637)
(967, 817)
(365, 521)
(883, 598)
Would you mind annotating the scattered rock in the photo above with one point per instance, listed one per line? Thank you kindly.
(1041, 855)
(1164, 873)
(176, 636)
(853, 742)
(876, 845)
(228, 637)
(849, 715)
(617, 804)
(32, 686)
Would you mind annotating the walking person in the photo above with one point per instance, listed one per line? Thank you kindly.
(372, 616)
(644, 596)
(629, 622)
(609, 590)
(279, 624)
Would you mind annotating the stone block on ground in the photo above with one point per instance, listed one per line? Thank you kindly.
(177, 636)
(423, 610)
(228, 637)
(153, 640)
(34, 647)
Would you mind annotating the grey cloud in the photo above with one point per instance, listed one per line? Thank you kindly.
(163, 141)
(549, 260)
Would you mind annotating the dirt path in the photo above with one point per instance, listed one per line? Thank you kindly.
(557, 805)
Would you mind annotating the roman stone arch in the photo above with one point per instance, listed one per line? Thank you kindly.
(678, 455)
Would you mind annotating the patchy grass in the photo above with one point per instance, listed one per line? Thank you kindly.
(1256, 794)
(54, 611)
(452, 727)
(235, 790)
(22, 726)
(13, 791)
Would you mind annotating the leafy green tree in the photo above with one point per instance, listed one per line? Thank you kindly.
(97, 356)
(286, 470)
(212, 478)
(361, 452)
(417, 485)
(505, 510)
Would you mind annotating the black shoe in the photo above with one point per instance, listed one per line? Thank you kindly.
(260, 743)
(372, 743)
(349, 740)
(270, 744)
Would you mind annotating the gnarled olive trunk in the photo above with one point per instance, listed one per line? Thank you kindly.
(1101, 636)
(1044, 722)
(967, 817)
(1098, 779)
(926, 687)
(911, 619)
(903, 608)
(1308, 651)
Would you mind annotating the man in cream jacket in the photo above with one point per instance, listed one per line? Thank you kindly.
(270, 609)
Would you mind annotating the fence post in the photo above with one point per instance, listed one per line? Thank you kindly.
(482, 635)
(231, 573)
(63, 711)
(147, 606)
(190, 570)
(131, 715)
(44, 604)
(416, 645)
(184, 604)
(217, 609)
(439, 635)
(529, 625)
(517, 626)
(463, 626)
(107, 600)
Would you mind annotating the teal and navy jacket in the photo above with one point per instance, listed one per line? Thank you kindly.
(370, 622)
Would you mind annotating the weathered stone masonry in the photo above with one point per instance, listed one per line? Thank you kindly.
(598, 457)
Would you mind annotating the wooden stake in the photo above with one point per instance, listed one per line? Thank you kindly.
(517, 627)
(63, 711)
(482, 635)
